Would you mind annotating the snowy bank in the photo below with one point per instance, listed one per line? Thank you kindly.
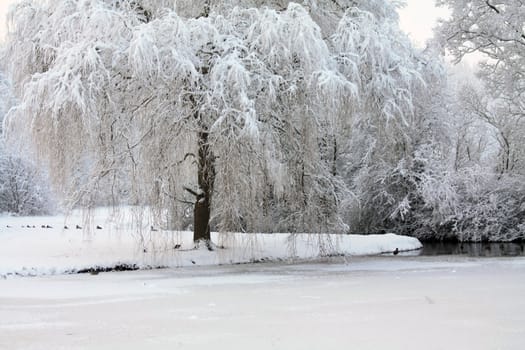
(31, 246)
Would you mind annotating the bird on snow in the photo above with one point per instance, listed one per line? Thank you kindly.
(396, 251)
(99, 227)
(79, 227)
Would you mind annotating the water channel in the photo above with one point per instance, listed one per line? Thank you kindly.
(473, 249)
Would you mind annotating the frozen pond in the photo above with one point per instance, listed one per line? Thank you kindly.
(362, 303)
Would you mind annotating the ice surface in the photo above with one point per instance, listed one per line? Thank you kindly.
(366, 303)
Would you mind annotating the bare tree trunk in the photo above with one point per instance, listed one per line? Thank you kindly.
(206, 179)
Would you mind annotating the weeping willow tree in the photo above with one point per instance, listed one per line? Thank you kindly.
(249, 111)
(231, 108)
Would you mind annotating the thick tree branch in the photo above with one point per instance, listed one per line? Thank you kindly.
(192, 192)
(494, 8)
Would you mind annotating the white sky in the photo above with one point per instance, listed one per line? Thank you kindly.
(4, 6)
(417, 19)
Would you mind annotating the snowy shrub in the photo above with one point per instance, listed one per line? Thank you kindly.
(384, 198)
(491, 208)
(471, 205)
(22, 188)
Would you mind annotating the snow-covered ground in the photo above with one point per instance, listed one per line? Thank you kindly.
(344, 302)
(364, 303)
(28, 249)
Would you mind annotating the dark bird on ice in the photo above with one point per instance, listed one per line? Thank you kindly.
(396, 251)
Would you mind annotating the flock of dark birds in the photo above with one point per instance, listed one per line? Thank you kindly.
(78, 227)
(98, 227)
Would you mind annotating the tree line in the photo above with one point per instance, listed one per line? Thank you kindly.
(274, 116)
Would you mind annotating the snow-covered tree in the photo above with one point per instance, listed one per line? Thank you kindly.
(380, 144)
(494, 29)
(23, 188)
(260, 114)
(225, 104)
(489, 160)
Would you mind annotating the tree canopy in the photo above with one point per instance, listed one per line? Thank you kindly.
(272, 115)
(251, 104)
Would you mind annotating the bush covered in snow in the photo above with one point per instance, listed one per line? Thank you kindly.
(22, 187)
(491, 208)
(466, 206)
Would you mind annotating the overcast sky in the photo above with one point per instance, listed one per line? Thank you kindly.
(4, 5)
(417, 19)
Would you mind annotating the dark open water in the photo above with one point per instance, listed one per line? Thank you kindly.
(473, 249)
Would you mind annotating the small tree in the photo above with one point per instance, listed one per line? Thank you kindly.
(22, 189)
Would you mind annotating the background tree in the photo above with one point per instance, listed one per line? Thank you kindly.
(489, 185)
(23, 187)
(494, 29)
(379, 145)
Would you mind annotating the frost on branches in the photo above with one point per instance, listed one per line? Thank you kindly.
(495, 29)
(241, 115)
(491, 163)
(231, 109)
(23, 188)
